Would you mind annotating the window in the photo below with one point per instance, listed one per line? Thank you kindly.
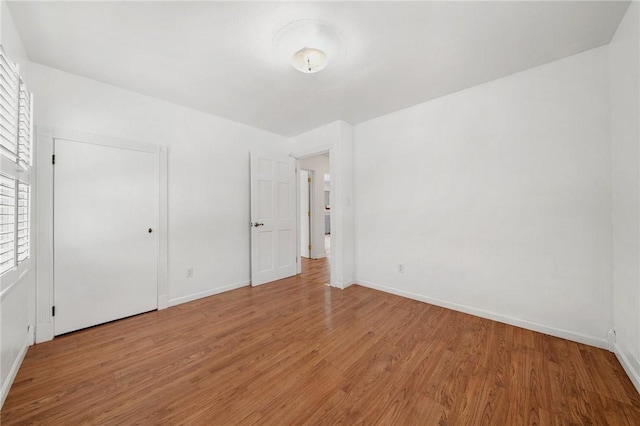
(8, 108)
(24, 128)
(24, 222)
(16, 136)
(7, 223)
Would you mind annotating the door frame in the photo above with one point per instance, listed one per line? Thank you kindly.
(44, 329)
(310, 174)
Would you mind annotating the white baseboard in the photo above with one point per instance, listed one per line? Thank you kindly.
(552, 331)
(348, 283)
(632, 372)
(163, 301)
(4, 392)
(217, 290)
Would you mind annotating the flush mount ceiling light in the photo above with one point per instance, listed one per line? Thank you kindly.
(309, 45)
(309, 60)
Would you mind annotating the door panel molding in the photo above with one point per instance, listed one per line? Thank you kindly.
(273, 218)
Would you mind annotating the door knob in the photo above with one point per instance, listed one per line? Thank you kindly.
(150, 230)
(256, 224)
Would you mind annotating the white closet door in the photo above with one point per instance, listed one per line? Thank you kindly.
(105, 234)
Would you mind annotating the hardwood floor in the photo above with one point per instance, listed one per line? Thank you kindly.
(299, 352)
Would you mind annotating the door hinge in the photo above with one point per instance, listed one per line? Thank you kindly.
(309, 247)
(53, 159)
(309, 180)
(309, 214)
(53, 311)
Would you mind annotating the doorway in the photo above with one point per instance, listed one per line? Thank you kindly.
(314, 199)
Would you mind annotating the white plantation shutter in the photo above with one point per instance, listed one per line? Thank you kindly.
(24, 128)
(16, 135)
(24, 222)
(9, 98)
(7, 223)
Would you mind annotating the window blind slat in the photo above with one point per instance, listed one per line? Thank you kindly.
(7, 65)
(24, 148)
(6, 93)
(7, 223)
(23, 246)
(7, 113)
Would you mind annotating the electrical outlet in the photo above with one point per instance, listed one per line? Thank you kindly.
(401, 268)
(190, 272)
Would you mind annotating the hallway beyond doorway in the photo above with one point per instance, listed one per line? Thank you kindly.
(327, 245)
(316, 270)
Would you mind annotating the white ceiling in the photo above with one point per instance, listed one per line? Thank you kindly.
(217, 56)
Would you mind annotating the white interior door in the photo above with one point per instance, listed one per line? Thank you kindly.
(305, 214)
(105, 234)
(273, 222)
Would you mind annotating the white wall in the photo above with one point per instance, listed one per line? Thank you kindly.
(208, 171)
(319, 164)
(10, 38)
(338, 139)
(625, 135)
(17, 312)
(496, 199)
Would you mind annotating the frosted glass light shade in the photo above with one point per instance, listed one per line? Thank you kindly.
(309, 60)
(308, 41)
